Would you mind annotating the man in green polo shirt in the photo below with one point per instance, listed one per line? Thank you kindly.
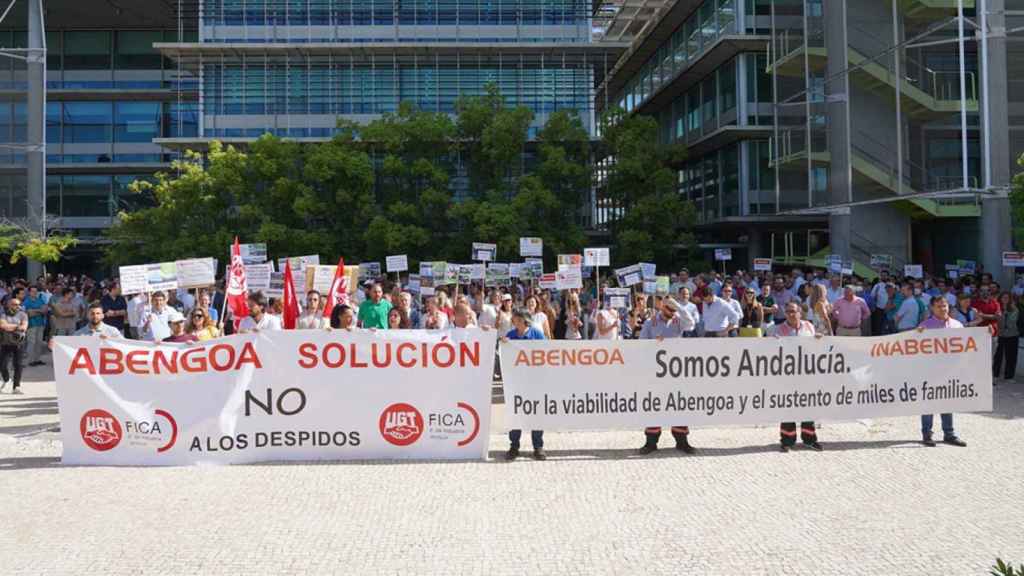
(373, 313)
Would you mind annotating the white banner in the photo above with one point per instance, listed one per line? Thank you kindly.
(291, 395)
(580, 385)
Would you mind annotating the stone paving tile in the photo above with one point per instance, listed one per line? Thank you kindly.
(873, 503)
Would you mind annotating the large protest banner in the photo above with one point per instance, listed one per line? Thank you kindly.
(579, 385)
(289, 395)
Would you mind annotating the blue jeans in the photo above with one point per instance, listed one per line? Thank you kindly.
(536, 436)
(947, 425)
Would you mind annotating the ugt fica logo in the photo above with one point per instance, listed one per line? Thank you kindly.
(401, 424)
(101, 431)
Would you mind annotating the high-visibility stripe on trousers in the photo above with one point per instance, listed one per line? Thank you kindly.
(676, 431)
(787, 433)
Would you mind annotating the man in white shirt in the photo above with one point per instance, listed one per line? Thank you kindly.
(312, 317)
(720, 316)
(835, 291)
(607, 324)
(908, 315)
(136, 315)
(154, 320)
(683, 281)
(258, 320)
(688, 313)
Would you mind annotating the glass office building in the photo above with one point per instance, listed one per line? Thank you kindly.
(852, 127)
(131, 85)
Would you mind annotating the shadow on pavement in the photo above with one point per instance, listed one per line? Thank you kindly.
(30, 463)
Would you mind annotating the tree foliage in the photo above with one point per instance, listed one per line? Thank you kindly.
(1017, 204)
(17, 242)
(412, 182)
(653, 222)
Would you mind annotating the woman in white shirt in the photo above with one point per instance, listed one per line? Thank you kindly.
(538, 319)
(504, 321)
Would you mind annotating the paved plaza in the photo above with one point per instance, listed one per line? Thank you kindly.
(874, 502)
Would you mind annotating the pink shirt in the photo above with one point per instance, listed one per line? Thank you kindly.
(850, 313)
(933, 323)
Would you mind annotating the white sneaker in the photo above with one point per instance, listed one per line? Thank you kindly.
(3, 384)
(17, 391)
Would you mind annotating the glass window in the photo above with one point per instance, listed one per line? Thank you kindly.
(730, 181)
(726, 16)
(53, 49)
(86, 50)
(708, 104)
(53, 111)
(53, 196)
(136, 121)
(87, 122)
(135, 49)
(727, 92)
(85, 195)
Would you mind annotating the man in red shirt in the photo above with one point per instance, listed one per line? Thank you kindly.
(988, 309)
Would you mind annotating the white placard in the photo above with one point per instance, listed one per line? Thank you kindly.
(648, 271)
(196, 272)
(529, 246)
(762, 264)
(252, 253)
(483, 252)
(568, 278)
(148, 278)
(399, 263)
(298, 263)
(1013, 259)
(723, 254)
(257, 276)
(596, 257)
(913, 271)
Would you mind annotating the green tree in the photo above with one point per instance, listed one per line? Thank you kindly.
(18, 242)
(654, 223)
(492, 137)
(298, 198)
(1017, 204)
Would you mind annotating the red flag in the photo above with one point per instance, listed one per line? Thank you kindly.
(237, 291)
(291, 304)
(338, 293)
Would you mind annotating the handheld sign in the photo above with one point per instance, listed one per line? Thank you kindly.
(569, 277)
(880, 261)
(529, 246)
(723, 254)
(913, 271)
(252, 253)
(762, 264)
(195, 272)
(1013, 259)
(596, 257)
(399, 263)
(484, 252)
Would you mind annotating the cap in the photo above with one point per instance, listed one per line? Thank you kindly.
(506, 297)
(174, 316)
(671, 303)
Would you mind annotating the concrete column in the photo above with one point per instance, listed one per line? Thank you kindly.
(840, 180)
(995, 212)
(36, 108)
(755, 248)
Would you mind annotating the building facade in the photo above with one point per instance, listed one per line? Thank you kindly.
(130, 87)
(854, 128)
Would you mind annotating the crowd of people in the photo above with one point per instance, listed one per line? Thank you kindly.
(797, 303)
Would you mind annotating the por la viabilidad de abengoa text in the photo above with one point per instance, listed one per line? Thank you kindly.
(679, 401)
